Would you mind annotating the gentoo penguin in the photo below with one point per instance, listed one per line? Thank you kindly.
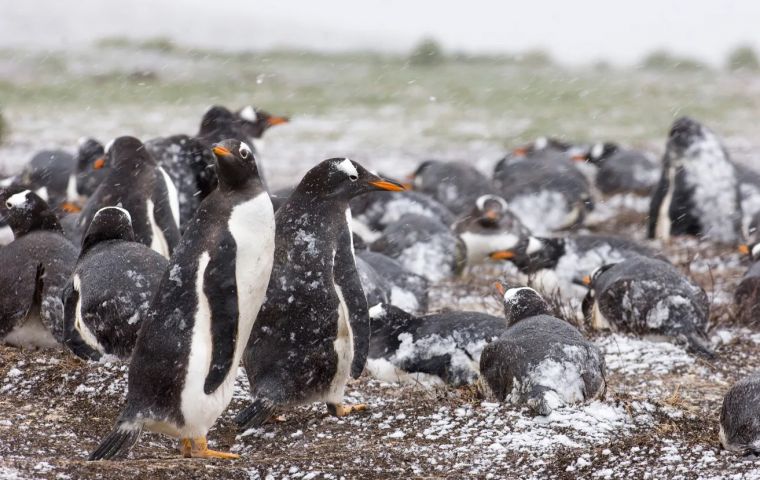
(36, 266)
(647, 296)
(621, 170)
(313, 331)
(749, 187)
(91, 168)
(747, 295)
(544, 190)
(437, 349)
(542, 145)
(255, 122)
(110, 290)
(540, 360)
(408, 290)
(189, 347)
(49, 174)
(376, 288)
(374, 211)
(455, 184)
(490, 227)
(555, 263)
(424, 246)
(698, 193)
(141, 187)
(739, 425)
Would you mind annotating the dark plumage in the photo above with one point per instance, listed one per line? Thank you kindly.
(621, 170)
(740, 417)
(456, 185)
(408, 290)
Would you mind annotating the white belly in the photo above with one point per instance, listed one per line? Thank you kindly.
(344, 349)
(598, 321)
(84, 331)
(158, 241)
(173, 195)
(32, 333)
(662, 230)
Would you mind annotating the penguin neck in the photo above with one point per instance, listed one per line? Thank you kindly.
(94, 238)
(42, 221)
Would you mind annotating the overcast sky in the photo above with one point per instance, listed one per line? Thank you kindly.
(573, 31)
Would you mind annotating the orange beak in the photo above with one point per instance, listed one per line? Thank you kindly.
(520, 151)
(492, 214)
(578, 158)
(272, 121)
(386, 185)
(69, 207)
(99, 163)
(744, 249)
(502, 255)
(587, 280)
(221, 151)
(499, 288)
(408, 186)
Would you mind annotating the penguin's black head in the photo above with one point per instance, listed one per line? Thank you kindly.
(387, 322)
(342, 179)
(533, 254)
(125, 153)
(752, 250)
(255, 122)
(89, 151)
(684, 132)
(591, 279)
(598, 153)
(418, 174)
(28, 212)
(235, 163)
(521, 302)
(109, 223)
(489, 210)
(216, 118)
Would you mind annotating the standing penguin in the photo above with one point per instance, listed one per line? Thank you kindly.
(141, 187)
(313, 330)
(189, 347)
(36, 265)
(111, 288)
(698, 193)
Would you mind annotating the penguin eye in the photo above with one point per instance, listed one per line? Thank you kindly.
(353, 178)
(244, 152)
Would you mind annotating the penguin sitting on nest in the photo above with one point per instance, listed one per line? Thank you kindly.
(407, 290)
(455, 184)
(621, 170)
(141, 187)
(747, 295)
(51, 174)
(739, 425)
(647, 296)
(698, 193)
(313, 331)
(438, 349)
(540, 360)
(36, 266)
(189, 347)
(111, 288)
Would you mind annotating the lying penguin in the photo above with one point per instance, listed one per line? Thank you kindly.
(424, 246)
(747, 295)
(36, 266)
(698, 193)
(455, 184)
(437, 349)
(490, 227)
(647, 296)
(739, 424)
(621, 170)
(407, 290)
(540, 360)
(111, 288)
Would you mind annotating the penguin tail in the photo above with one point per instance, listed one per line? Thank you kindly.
(699, 345)
(255, 414)
(118, 443)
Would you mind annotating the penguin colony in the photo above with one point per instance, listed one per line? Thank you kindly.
(171, 255)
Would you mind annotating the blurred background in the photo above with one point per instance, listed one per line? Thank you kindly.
(385, 82)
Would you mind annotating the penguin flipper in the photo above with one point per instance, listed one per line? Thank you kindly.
(255, 414)
(71, 336)
(118, 443)
(220, 287)
(25, 286)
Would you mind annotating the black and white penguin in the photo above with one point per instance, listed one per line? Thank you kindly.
(50, 174)
(91, 168)
(747, 294)
(739, 425)
(544, 190)
(255, 122)
(408, 290)
(540, 360)
(749, 187)
(438, 349)
(490, 227)
(376, 288)
(141, 187)
(36, 266)
(621, 170)
(424, 246)
(698, 193)
(313, 331)
(647, 296)
(110, 290)
(454, 184)
(189, 347)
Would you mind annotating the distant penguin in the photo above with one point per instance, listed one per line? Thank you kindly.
(739, 414)
(454, 184)
(189, 347)
(408, 290)
(424, 246)
(36, 266)
(376, 288)
(111, 288)
(747, 295)
(540, 360)
(749, 187)
(437, 349)
(49, 174)
(698, 193)
(144, 189)
(542, 145)
(647, 296)
(490, 227)
(314, 280)
(621, 170)
(91, 168)
(255, 122)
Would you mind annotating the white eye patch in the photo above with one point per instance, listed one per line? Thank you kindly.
(18, 200)
(597, 150)
(249, 113)
(347, 166)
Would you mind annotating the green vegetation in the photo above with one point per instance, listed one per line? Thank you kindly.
(158, 44)
(664, 60)
(3, 127)
(743, 58)
(426, 53)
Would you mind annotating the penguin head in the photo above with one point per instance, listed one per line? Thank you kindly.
(255, 122)
(235, 163)
(489, 210)
(598, 153)
(418, 175)
(342, 179)
(88, 151)
(521, 302)
(533, 253)
(216, 118)
(752, 250)
(591, 280)
(124, 153)
(109, 223)
(28, 212)
(387, 323)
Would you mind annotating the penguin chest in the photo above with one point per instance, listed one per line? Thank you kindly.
(598, 321)
(344, 350)
(662, 231)
(157, 240)
(32, 333)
